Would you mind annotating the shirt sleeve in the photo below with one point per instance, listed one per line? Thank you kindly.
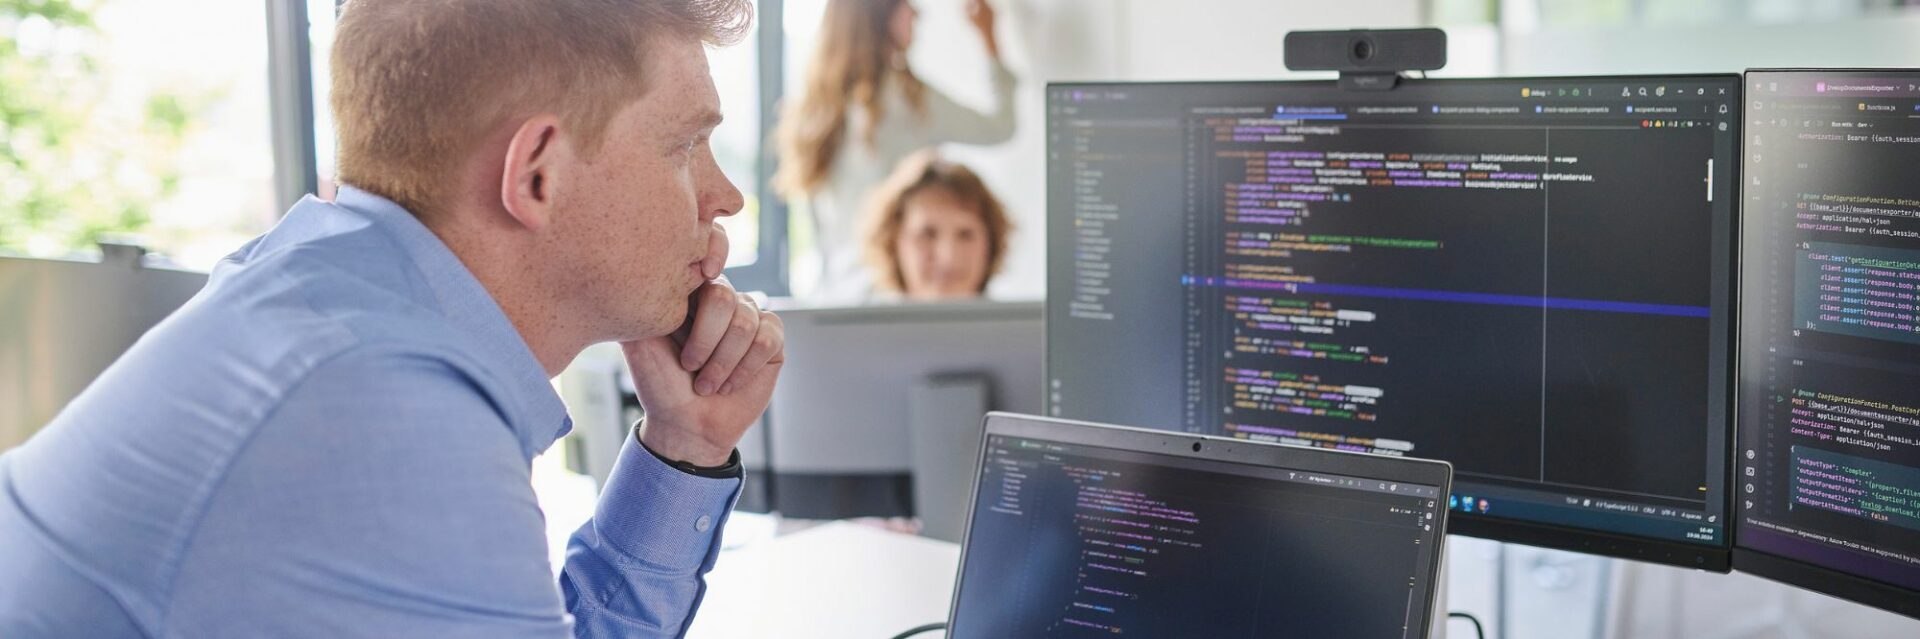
(954, 122)
(635, 569)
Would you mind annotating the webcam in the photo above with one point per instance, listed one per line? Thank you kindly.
(1196, 447)
(1366, 59)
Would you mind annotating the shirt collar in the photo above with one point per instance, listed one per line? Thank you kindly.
(467, 305)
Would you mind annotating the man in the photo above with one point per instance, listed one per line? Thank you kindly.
(333, 439)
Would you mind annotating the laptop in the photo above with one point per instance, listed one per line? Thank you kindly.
(1088, 530)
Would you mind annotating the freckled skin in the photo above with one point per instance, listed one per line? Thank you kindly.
(643, 207)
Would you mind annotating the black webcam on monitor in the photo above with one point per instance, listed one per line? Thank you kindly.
(1368, 60)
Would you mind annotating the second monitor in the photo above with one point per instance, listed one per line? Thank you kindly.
(1530, 279)
(878, 409)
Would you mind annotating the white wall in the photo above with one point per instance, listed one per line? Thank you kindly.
(1237, 39)
(1714, 48)
(1654, 601)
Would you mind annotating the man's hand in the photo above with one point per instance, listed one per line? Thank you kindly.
(705, 385)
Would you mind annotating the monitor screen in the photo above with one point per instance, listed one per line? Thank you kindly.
(1073, 540)
(1829, 392)
(1530, 279)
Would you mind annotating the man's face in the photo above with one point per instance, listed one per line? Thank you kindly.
(637, 220)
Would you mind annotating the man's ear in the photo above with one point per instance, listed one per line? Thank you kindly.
(533, 171)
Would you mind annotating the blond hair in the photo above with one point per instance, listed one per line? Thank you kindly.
(918, 173)
(417, 84)
(855, 60)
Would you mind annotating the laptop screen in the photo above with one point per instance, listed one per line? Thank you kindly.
(1072, 540)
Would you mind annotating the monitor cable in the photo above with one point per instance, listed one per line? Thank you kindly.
(920, 629)
(1478, 630)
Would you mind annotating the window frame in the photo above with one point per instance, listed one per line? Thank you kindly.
(290, 98)
(770, 269)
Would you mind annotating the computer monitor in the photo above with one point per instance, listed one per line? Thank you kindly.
(1829, 387)
(64, 321)
(878, 409)
(1082, 529)
(1529, 278)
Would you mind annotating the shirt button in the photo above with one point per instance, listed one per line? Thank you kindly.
(703, 523)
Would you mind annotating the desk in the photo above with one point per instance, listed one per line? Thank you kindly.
(838, 580)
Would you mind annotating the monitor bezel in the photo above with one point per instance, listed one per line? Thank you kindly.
(1713, 558)
(1781, 568)
(1424, 472)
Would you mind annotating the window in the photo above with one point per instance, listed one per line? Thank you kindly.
(133, 119)
(748, 77)
(736, 144)
(321, 21)
(749, 91)
(799, 27)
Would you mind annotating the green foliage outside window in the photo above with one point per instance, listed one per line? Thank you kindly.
(74, 165)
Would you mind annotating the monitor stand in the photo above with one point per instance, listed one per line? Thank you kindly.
(944, 413)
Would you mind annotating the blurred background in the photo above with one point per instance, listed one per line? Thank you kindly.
(193, 131)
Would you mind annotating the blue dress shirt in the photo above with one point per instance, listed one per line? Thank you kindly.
(334, 439)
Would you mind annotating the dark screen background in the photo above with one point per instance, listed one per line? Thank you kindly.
(1589, 359)
(1829, 446)
(1259, 557)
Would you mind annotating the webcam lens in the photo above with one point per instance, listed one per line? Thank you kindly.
(1362, 50)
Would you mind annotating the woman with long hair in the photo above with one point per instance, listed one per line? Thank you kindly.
(861, 112)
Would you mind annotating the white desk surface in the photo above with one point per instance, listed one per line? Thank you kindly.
(838, 580)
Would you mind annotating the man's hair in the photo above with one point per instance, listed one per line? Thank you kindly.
(417, 84)
(887, 212)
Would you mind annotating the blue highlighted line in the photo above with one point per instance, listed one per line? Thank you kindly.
(1426, 295)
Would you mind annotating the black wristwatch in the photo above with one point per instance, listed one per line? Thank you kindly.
(730, 470)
